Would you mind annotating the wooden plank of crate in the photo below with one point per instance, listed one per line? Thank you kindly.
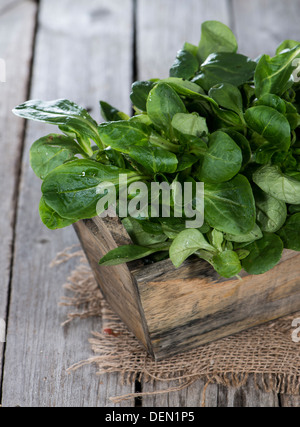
(261, 26)
(164, 26)
(83, 53)
(17, 26)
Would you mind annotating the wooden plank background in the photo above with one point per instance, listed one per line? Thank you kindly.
(86, 51)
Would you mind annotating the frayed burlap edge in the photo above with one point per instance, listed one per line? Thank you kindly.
(267, 352)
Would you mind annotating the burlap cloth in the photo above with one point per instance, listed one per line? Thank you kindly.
(267, 352)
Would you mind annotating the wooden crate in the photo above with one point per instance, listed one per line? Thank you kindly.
(174, 310)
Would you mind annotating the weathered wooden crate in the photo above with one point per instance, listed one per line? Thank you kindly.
(174, 310)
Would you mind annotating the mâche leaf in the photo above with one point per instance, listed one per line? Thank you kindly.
(264, 254)
(272, 75)
(222, 161)
(290, 233)
(230, 206)
(128, 253)
(230, 68)
(275, 183)
(71, 189)
(61, 112)
(227, 264)
(187, 243)
(185, 66)
(216, 37)
(54, 149)
(162, 105)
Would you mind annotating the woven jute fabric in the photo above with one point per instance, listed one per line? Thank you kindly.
(267, 352)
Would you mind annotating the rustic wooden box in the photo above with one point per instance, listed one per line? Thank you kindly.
(174, 310)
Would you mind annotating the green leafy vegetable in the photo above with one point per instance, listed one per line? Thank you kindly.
(128, 253)
(264, 254)
(186, 244)
(273, 182)
(219, 137)
(54, 150)
(227, 264)
(162, 105)
(216, 37)
(290, 233)
(230, 68)
(230, 206)
(185, 66)
(272, 75)
(222, 161)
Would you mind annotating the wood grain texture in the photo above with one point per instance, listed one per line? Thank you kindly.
(260, 26)
(200, 394)
(206, 307)
(15, 36)
(79, 55)
(99, 236)
(164, 26)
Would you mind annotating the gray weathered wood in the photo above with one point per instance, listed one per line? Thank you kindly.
(260, 26)
(247, 396)
(16, 35)
(289, 401)
(83, 52)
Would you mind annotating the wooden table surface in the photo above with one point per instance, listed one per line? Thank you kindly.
(87, 50)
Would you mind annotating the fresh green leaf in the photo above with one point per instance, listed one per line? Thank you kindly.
(273, 182)
(271, 213)
(154, 159)
(51, 151)
(242, 142)
(128, 253)
(273, 74)
(216, 37)
(60, 112)
(264, 254)
(71, 189)
(290, 233)
(162, 105)
(135, 140)
(184, 87)
(217, 239)
(140, 92)
(232, 68)
(294, 209)
(190, 124)
(254, 234)
(51, 219)
(222, 161)
(111, 114)
(230, 206)
(138, 234)
(186, 244)
(185, 66)
(227, 264)
(273, 101)
(185, 161)
(270, 124)
(227, 96)
(287, 44)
